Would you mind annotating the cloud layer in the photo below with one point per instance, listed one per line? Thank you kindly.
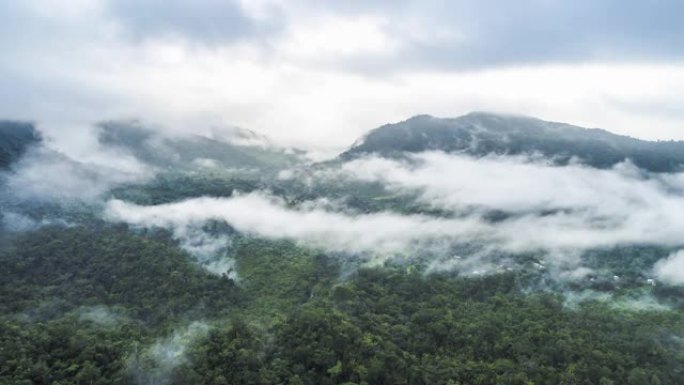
(269, 217)
(556, 212)
(571, 206)
(306, 73)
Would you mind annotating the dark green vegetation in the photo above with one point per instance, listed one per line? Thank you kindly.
(483, 133)
(88, 302)
(15, 138)
(55, 270)
(172, 188)
(292, 319)
(78, 302)
(395, 328)
(360, 196)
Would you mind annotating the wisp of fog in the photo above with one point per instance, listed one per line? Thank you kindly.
(559, 211)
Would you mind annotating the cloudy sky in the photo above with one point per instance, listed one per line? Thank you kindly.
(317, 74)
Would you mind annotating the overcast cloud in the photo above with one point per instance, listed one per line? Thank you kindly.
(319, 74)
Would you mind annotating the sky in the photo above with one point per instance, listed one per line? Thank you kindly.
(318, 74)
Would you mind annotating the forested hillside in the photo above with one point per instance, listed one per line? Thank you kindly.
(482, 133)
(212, 262)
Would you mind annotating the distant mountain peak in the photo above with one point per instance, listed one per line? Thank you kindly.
(482, 133)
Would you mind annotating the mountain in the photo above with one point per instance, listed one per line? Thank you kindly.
(211, 266)
(15, 138)
(237, 148)
(481, 133)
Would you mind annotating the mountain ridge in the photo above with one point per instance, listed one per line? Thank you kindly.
(484, 133)
(188, 151)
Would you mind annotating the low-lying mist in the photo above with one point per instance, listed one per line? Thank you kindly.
(480, 210)
(556, 212)
(83, 164)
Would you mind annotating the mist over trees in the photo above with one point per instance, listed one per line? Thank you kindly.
(481, 133)
(485, 249)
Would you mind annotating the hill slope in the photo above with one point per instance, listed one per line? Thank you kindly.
(190, 151)
(15, 137)
(481, 134)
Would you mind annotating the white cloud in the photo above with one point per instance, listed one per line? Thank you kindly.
(330, 39)
(56, 9)
(585, 207)
(671, 269)
(312, 80)
(513, 184)
(47, 175)
(269, 217)
(557, 211)
(328, 109)
(156, 363)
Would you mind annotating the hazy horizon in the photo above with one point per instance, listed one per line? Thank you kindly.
(317, 75)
